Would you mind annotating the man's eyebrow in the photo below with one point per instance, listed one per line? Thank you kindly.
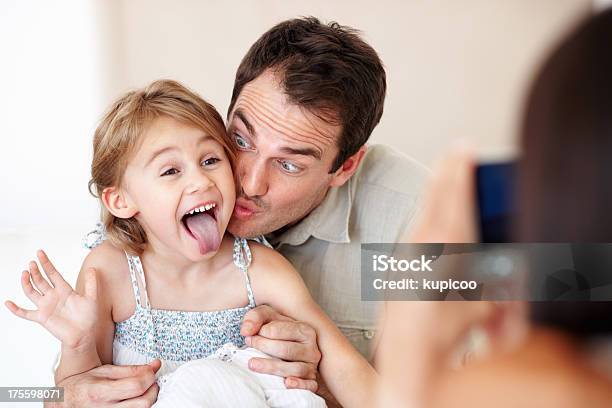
(240, 115)
(305, 151)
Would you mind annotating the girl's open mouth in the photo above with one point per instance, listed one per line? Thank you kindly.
(201, 224)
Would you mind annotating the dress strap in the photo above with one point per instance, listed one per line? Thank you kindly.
(95, 237)
(136, 268)
(242, 259)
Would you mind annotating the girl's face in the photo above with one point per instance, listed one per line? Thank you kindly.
(180, 183)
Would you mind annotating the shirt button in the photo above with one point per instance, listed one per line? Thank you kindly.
(368, 334)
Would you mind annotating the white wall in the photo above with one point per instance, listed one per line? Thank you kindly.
(602, 4)
(49, 105)
(456, 69)
(50, 102)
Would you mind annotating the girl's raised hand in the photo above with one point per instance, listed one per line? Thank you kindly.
(69, 316)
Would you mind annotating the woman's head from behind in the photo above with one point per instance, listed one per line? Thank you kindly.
(162, 170)
(566, 193)
(565, 188)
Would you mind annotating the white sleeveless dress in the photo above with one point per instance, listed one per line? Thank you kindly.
(204, 357)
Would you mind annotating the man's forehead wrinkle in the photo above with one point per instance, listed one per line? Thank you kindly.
(310, 117)
(283, 125)
(256, 117)
(297, 129)
(274, 116)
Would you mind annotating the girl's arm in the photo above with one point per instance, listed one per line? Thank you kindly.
(347, 374)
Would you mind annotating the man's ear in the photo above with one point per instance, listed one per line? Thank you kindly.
(348, 168)
(118, 203)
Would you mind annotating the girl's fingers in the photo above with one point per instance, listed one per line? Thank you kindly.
(21, 312)
(41, 283)
(28, 288)
(54, 276)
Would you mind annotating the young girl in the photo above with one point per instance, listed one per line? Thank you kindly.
(168, 283)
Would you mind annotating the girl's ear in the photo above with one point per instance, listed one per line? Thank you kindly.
(118, 203)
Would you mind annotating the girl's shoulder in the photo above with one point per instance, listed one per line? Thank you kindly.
(265, 259)
(113, 278)
(108, 260)
(271, 273)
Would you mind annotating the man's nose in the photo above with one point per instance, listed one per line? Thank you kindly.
(253, 177)
(199, 181)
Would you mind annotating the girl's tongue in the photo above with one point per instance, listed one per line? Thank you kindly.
(204, 228)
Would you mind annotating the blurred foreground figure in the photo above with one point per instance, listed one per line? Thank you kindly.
(565, 195)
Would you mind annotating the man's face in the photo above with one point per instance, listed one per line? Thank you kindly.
(284, 155)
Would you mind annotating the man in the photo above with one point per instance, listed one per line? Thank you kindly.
(306, 98)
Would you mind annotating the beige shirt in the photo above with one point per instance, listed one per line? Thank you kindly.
(376, 205)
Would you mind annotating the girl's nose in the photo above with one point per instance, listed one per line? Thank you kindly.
(199, 182)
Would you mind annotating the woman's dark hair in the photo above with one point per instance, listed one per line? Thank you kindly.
(565, 181)
(565, 188)
(325, 68)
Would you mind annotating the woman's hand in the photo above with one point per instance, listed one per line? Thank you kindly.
(420, 339)
(448, 211)
(69, 316)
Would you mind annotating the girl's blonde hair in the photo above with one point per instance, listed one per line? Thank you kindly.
(120, 133)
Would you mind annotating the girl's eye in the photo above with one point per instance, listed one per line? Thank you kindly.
(241, 142)
(289, 167)
(170, 172)
(210, 161)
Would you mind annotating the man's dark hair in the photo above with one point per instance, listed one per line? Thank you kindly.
(325, 68)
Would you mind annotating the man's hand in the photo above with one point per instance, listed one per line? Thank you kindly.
(292, 343)
(119, 386)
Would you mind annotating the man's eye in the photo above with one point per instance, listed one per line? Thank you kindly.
(170, 172)
(289, 167)
(210, 161)
(241, 142)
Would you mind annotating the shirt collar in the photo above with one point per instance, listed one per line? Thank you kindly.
(328, 222)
